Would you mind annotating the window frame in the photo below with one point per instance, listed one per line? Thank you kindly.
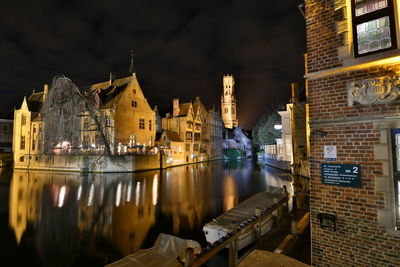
(141, 124)
(387, 11)
(396, 178)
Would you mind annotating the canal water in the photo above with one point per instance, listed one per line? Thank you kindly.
(71, 219)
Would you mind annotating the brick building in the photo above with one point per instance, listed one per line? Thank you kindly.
(352, 77)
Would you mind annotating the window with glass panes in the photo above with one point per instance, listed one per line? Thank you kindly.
(373, 26)
(396, 172)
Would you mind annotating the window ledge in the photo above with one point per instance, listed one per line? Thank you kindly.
(388, 57)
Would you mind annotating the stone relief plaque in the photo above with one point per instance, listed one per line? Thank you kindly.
(378, 90)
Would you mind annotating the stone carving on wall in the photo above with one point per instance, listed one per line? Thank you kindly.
(378, 90)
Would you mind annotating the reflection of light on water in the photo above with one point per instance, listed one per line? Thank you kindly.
(61, 196)
(155, 189)
(230, 193)
(101, 197)
(79, 193)
(91, 193)
(137, 193)
(129, 193)
(118, 195)
(143, 192)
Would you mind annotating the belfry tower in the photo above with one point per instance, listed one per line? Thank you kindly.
(228, 102)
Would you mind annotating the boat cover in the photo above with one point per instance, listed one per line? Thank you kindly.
(229, 220)
(168, 250)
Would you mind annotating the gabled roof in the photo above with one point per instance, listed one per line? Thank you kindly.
(198, 105)
(107, 92)
(35, 101)
(184, 109)
(172, 136)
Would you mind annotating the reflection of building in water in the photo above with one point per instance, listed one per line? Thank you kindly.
(186, 196)
(135, 212)
(84, 208)
(231, 197)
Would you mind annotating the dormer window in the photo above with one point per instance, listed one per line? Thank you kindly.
(373, 26)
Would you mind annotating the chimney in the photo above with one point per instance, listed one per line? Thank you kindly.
(295, 92)
(176, 108)
(111, 78)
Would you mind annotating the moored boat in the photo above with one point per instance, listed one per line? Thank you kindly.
(234, 219)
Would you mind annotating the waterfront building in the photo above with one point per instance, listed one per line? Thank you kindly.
(173, 146)
(215, 127)
(199, 129)
(352, 76)
(6, 130)
(237, 143)
(187, 124)
(228, 102)
(211, 131)
(120, 116)
(290, 151)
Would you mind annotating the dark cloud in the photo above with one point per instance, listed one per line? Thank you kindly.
(182, 48)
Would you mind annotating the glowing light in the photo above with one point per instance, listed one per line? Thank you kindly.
(278, 126)
(137, 193)
(91, 194)
(129, 192)
(155, 189)
(79, 193)
(61, 196)
(118, 195)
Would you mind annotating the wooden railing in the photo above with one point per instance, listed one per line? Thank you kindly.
(230, 240)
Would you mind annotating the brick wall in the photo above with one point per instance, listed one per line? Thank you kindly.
(359, 239)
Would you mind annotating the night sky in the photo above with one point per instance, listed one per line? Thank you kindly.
(182, 48)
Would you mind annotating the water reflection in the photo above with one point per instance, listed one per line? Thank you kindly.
(99, 218)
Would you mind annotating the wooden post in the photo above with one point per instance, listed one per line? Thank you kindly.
(189, 257)
(233, 254)
(257, 232)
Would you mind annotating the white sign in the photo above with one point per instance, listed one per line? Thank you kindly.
(330, 153)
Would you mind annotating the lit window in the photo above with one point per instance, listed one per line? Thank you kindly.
(373, 26)
(132, 139)
(188, 136)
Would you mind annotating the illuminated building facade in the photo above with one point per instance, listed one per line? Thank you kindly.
(352, 77)
(127, 121)
(228, 102)
(198, 128)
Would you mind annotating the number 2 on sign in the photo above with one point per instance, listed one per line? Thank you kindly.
(355, 169)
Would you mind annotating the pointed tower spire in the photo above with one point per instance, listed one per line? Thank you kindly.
(132, 68)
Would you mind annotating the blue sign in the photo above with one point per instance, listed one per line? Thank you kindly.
(341, 174)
